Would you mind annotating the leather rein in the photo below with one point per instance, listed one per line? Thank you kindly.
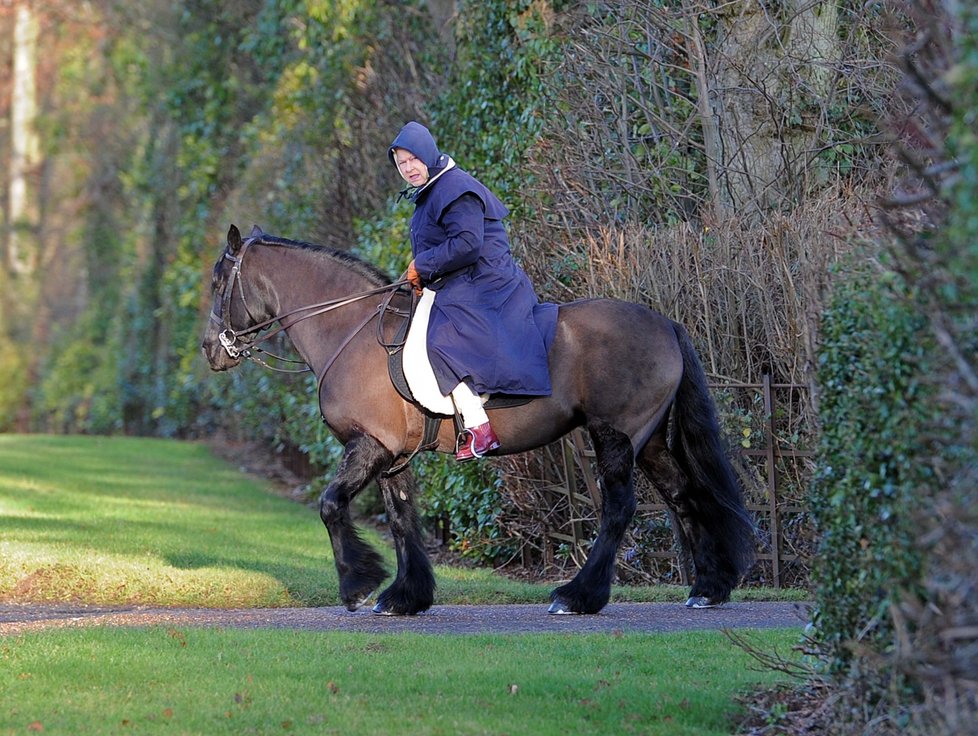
(229, 337)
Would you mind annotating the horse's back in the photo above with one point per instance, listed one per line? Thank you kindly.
(602, 313)
(618, 328)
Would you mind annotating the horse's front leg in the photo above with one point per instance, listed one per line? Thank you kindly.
(590, 589)
(413, 590)
(359, 567)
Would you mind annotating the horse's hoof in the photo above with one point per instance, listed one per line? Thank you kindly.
(702, 601)
(380, 610)
(560, 608)
(356, 605)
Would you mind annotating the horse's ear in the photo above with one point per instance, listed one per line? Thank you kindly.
(234, 239)
(256, 232)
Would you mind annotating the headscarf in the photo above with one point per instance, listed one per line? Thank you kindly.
(417, 139)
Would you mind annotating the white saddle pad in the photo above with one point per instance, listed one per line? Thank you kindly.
(417, 368)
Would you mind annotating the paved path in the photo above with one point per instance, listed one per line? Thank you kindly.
(499, 619)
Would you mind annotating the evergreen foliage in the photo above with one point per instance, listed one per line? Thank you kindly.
(875, 408)
(490, 112)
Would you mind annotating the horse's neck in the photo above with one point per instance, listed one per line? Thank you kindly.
(300, 276)
(305, 278)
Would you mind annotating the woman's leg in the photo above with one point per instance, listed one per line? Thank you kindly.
(469, 405)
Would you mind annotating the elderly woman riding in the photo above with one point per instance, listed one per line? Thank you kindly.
(487, 332)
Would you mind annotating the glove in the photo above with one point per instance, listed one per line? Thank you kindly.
(414, 278)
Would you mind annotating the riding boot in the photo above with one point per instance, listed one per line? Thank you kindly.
(474, 442)
(478, 437)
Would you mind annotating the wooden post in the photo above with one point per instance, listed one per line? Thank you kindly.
(772, 481)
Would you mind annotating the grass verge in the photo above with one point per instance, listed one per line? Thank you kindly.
(107, 520)
(201, 681)
(136, 521)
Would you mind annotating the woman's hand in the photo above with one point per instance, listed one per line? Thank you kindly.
(414, 278)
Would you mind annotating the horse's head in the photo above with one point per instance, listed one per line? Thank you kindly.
(229, 332)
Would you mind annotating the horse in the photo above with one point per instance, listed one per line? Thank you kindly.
(618, 369)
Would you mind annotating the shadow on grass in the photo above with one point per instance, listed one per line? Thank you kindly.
(306, 585)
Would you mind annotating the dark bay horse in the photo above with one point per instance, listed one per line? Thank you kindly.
(618, 369)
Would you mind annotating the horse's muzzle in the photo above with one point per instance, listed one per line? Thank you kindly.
(217, 356)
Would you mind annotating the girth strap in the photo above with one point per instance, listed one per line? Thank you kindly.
(429, 441)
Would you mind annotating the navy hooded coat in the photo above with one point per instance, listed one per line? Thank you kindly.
(487, 324)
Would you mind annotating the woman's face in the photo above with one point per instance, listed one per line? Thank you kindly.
(411, 168)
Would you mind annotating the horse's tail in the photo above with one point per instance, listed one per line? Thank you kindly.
(724, 538)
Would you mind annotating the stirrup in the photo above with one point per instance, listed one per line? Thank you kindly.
(474, 442)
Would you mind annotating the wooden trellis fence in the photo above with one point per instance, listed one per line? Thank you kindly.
(775, 476)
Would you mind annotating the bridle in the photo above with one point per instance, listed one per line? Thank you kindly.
(231, 339)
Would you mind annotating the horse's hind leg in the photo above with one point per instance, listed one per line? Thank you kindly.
(590, 589)
(359, 567)
(413, 589)
(661, 469)
(710, 586)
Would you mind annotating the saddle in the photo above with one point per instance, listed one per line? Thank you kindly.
(404, 313)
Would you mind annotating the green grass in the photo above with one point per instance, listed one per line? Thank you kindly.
(199, 681)
(117, 521)
(142, 521)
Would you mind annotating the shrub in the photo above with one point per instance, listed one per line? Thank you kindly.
(467, 499)
(875, 407)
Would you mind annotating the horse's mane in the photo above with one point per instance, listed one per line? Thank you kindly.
(364, 268)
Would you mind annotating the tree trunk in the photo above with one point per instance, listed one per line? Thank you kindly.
(18, 266)
(25, 149)
(772, 68)
(443, 12)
